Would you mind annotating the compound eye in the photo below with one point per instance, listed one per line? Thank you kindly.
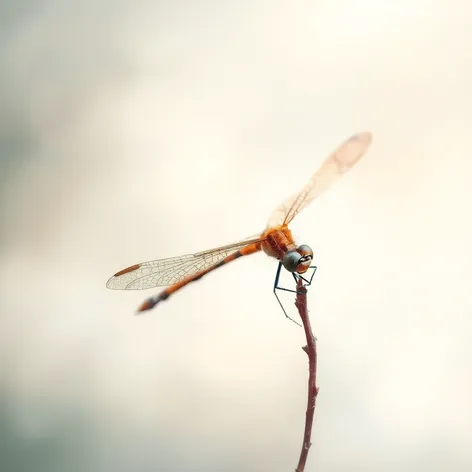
(305, 250)
(291, 260)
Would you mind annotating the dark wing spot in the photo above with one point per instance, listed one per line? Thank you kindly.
(128, 269)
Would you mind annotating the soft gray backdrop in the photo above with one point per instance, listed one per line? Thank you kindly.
(137, 130)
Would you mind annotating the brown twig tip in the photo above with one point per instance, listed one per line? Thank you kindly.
(310, 349)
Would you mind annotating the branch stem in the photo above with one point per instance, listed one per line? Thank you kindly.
(310, 349)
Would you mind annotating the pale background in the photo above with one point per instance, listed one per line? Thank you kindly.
(137, 130)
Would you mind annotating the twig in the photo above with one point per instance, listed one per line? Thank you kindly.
(310, 349)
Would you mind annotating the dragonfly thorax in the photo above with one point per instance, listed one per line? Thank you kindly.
(277, 241)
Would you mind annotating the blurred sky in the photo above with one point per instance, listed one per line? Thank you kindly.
(132, 131)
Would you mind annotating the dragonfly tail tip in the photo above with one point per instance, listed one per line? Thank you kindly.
(147, 305)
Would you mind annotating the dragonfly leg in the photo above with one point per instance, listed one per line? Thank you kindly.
(295, 277)
(308, 281)
(276, 287)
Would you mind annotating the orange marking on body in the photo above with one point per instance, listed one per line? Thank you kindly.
(277, 241)
(128, 269)
(147, 305)
(244, 251)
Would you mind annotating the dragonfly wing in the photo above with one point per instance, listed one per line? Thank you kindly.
(172, 270)
(334, 166)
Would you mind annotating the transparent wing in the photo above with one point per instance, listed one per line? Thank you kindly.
(335, 165)
(174, 269)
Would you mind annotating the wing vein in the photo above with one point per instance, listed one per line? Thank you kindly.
(168, 271)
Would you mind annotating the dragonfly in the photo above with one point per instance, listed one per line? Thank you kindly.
(276, 240)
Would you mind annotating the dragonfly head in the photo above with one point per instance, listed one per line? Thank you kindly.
(298, 260)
